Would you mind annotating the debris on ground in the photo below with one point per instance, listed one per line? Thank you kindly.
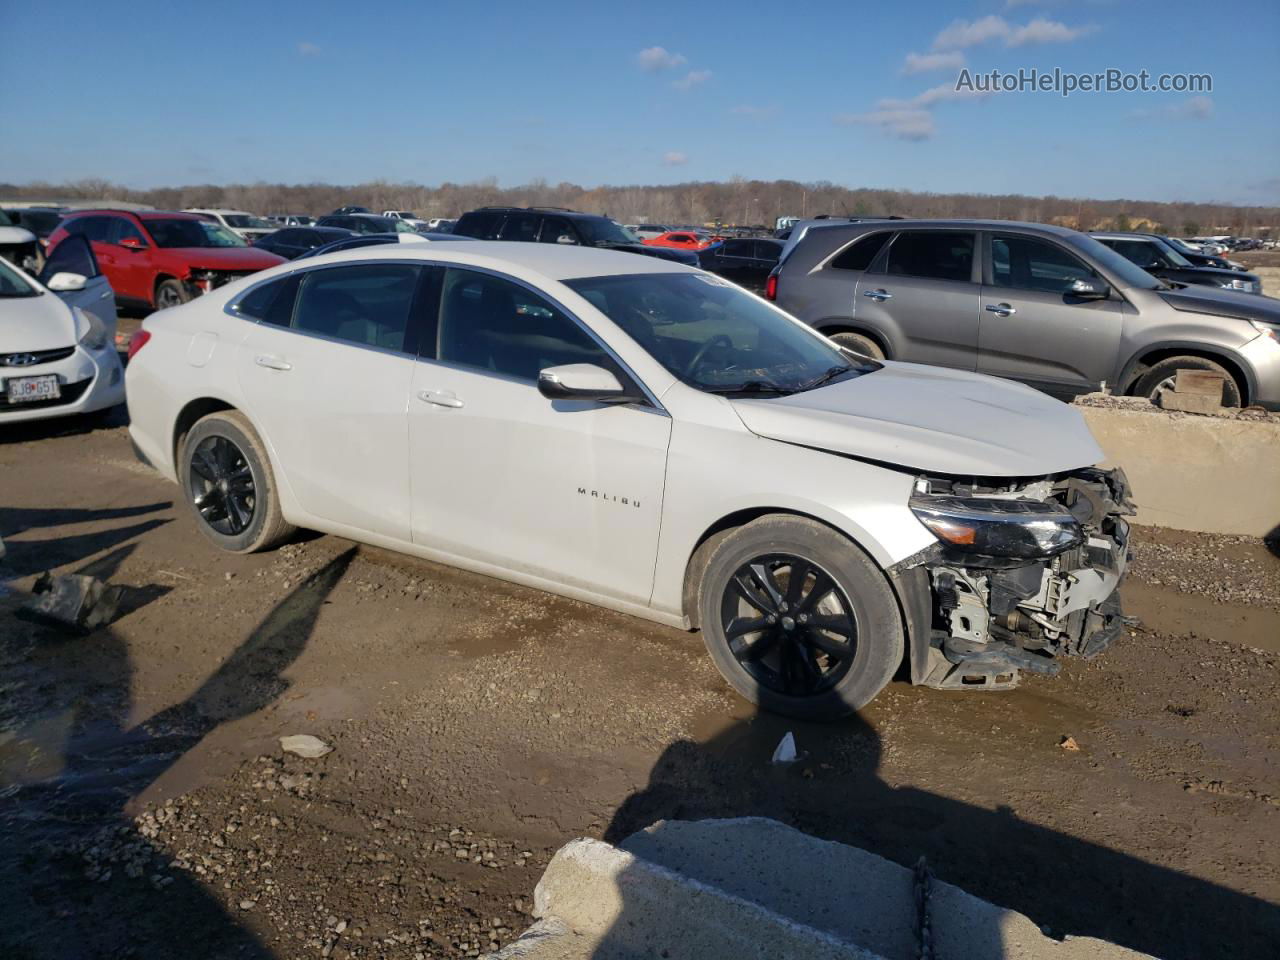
(785, 752)
(1069, 743)
(306, 746)
(73, 601)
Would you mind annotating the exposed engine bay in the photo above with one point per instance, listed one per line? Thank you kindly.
(1025, 571)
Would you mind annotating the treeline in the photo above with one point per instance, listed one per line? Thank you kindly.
(737, 201)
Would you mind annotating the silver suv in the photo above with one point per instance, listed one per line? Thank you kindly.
(1049, 306)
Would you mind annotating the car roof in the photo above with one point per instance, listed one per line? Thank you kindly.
(218, 210)
(148, 214)
(549, 260)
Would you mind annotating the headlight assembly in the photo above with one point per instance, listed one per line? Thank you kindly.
(990, 527)
(92, 334)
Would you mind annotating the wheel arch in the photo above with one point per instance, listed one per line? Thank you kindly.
(1152, 354)
(194, 411)
(159, 278)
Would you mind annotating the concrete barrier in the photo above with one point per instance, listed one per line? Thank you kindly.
(1209, 474)
(755, 889)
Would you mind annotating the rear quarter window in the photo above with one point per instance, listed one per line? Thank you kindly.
(859, 254)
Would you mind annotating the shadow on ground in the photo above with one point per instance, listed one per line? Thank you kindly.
(73, 867)
(1066, 885)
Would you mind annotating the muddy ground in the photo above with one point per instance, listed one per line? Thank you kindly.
(147, 811)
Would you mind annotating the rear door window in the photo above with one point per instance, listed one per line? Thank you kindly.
(271, 303)
(737, 248)
(483, 225)
(95, 229)
(860, 254)
(122, 228)
(932, 255)
(367, 304)
(1025, 263)
(521, 227)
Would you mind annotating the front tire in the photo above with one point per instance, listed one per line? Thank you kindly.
(227, 476)
(798, 619)
(170, 293)
(1161, 377)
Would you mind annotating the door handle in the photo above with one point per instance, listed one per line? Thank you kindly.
(879, 296)
(272, 363)
(1001, 309)
(441, 398)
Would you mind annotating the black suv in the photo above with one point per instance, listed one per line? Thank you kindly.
(1161, 259)
(557, 225)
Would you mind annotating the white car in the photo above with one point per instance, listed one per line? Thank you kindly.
(57, 338)
(243, 224)
(651, 438)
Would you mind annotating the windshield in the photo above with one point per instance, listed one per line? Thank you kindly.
(598, 230)
(13, 284)
(715, 336)
(190, 233)
(1170, 251)
(1130, 273)
(244, 220)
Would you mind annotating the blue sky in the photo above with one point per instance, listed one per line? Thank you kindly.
(862, 94)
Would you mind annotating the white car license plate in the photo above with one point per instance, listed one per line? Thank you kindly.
(26, 389)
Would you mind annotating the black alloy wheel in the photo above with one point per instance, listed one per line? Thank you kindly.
(222, 486)
(789, 625)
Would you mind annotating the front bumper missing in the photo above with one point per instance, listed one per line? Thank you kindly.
(979, 624)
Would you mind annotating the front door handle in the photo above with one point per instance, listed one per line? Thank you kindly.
(1001, 309)
(879, 296)
(272, 363)
(441, 398)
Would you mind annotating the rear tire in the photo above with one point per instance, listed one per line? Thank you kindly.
(170, 293)
(226, 474)
(858, 343)
(816, 648)
(1160, 378)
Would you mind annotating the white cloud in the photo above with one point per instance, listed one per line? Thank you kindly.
(925, 62)
(674, 158)
(694, 78)
(308, 49)
(904, 122)
(1193, 108)
(972, 33)
(657, 59)
(1041, 30)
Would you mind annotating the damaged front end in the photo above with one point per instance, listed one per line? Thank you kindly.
(1023, 572)
(200, 280)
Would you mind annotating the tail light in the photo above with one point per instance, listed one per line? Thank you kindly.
(138, 341)
(771, 287)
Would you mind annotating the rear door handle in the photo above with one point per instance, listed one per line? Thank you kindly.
(441, 398)
(272, 363)
(1001, 309)
(880, 296)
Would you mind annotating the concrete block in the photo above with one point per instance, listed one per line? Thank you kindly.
(755, 889)
(1206, 382)
(1190, 402)
(1206, 474)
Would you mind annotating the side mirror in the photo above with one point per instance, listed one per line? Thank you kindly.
(583, 381)
(132, 243)
(1089, 290)
(565, 238)
(65, 282)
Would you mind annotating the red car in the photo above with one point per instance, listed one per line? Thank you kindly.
(681, 240)
(159, 260)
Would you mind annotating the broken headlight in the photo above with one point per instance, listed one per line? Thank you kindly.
(994, 527)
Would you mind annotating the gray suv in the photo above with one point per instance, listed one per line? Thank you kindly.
(1049, 306)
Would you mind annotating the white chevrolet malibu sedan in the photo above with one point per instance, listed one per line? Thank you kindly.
(57, 338)
(653, 439)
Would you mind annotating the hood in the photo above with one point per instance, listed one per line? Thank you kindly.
(1232, 304)
(28, 324)
(931, 419)
(1224, 274)
(226, 258)
(10, 235)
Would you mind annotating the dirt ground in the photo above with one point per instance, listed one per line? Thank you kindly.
(147, 811)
